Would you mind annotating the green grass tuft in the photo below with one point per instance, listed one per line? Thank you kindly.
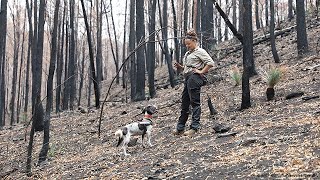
(236, 76)
(273, 77)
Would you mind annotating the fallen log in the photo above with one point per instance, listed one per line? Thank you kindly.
(294, 95)
(307, 98)
(310, 68)
(257, 40)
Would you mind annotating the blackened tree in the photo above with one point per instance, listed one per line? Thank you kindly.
(240, 29)
(290, 10)
(165, 48)
(175, 32)
(185, 26)
(37, 108)
(206, 25)
(257, 14)
(132, 40)
(247, 53)
(272, 36)
(302, 40)
(52, 66)
(151, 47)
(71, 82)
(16, 39)
(140, 91)
(60, 59)
(92, 67)
(3, 31)
(267, 12)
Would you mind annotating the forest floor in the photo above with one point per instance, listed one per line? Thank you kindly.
(277, 139)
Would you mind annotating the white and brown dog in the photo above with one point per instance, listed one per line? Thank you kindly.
(137, 128)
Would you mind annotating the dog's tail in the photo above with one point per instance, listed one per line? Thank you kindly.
(119, 134)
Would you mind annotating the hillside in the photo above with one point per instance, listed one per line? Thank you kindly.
(275, 139)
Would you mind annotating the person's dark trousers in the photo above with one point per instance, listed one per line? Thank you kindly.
(191, 96)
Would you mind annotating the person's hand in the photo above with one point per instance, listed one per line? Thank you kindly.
(178, 66)
(197, 71)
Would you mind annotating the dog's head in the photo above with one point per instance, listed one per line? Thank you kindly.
(150, 109)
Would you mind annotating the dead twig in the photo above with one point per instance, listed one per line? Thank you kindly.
(227, 134)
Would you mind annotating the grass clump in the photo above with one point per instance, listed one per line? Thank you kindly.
(235, 75)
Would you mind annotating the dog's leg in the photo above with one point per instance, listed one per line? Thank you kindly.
(120, 141)
(149, 138)
(142, 140)
(125, 144)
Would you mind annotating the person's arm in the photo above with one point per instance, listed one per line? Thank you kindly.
(203, 71)
(205, 57)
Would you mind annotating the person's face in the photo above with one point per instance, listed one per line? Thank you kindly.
(190, 44)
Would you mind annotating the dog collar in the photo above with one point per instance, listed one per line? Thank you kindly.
(147, 116)
(146, 121)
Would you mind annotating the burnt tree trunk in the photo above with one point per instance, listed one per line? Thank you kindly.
(219, 24)
(203, 16)
(185, 26)
(29, 56)
(82, 72)
(140, 33)
(234, 13)
(99, 42)
(257, 14)
(3, 32)
(89, 87)
(37, 60)
(272, 36)
(164, 24)
(20, 71)
(16, 43)
(113, 49)
(115, 42)
(267, 12)
(151, 47)
(302, 40)
(93, 71)
(175, 32)
(65, 94)
(132, 40)
(290, 10)
(240, 29)
(37, 109)
(71, 82)
(206, 26)
(124, 70)
(247, 53)
(52, 66)
(60, 62)
(317, 11)
(226, 32)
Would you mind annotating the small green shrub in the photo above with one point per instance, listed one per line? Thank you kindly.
(273, 77)
(235, 75)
